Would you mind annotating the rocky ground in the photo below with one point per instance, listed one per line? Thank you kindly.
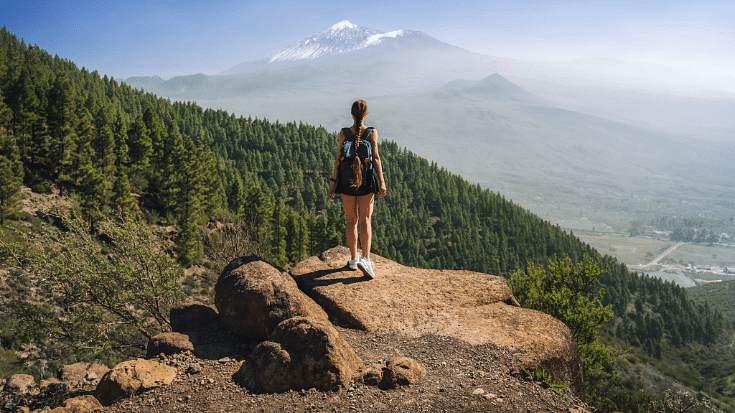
(461, 378)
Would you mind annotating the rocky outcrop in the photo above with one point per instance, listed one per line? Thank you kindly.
(302, 353)
(131, 377)
(253, 297)
(473, 307)
(168, 343)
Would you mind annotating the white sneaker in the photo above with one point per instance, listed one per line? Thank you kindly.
(353, 263)
(366, 266)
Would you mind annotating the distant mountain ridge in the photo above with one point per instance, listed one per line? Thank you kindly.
(341, 38)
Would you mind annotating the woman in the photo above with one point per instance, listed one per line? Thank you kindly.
(358, 176)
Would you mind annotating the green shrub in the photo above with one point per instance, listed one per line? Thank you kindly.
(571, 293)
(10, 364)
(96, 305)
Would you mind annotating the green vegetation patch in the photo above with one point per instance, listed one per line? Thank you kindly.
(719, 295)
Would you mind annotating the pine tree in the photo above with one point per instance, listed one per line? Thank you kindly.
(258, 210)
(121, 198)
(236, 200)
(169, 193)
(93, 191)
(139, 145)
(157, 135)
(120, 132)
(62, 121)
(193, 184)
(278, 235)
(11, 177)
(103, 142)
(28, 106)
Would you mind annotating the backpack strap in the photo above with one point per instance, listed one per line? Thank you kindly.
(348, 134)
(351, 136)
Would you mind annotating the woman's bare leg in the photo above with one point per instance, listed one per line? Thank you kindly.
(350, 203)
(366, 230)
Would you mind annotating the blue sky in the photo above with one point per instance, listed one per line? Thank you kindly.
(168, 38)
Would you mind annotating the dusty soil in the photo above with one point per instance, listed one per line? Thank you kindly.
(461, 378)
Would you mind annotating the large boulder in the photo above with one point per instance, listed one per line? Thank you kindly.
(131, 377)
(20, 384)
(168, 343)
(302, 353)
(253, 297)
(194, 316)
(473, 307)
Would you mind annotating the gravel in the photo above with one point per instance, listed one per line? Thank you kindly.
(461, 378)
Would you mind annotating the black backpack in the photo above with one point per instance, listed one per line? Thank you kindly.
(347, 156)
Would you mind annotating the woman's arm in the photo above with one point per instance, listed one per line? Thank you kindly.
(373, 139)
(333, 181)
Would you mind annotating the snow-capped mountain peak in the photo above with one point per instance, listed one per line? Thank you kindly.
(344, 24)
(377, 38)
(341, 38)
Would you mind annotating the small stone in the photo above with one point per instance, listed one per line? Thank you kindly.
(211, 381)
(194, 368)
(489, 396)
(224, 360)
(478, 391)
(91, 376)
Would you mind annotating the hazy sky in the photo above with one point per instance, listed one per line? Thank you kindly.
(174, 37)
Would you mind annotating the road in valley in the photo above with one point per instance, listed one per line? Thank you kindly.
(663, 254)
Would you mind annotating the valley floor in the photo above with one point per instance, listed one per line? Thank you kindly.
(687, 264)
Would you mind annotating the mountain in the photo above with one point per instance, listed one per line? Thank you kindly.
(344, 59)
(562, 148)
(342, 38)
(376, 64)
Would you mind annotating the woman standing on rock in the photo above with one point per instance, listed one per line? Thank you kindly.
(358, 176)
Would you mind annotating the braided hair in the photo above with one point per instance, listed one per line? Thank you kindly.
(359, 111)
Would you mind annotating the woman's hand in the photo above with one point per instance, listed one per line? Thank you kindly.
(382, 190)
(330, 191)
